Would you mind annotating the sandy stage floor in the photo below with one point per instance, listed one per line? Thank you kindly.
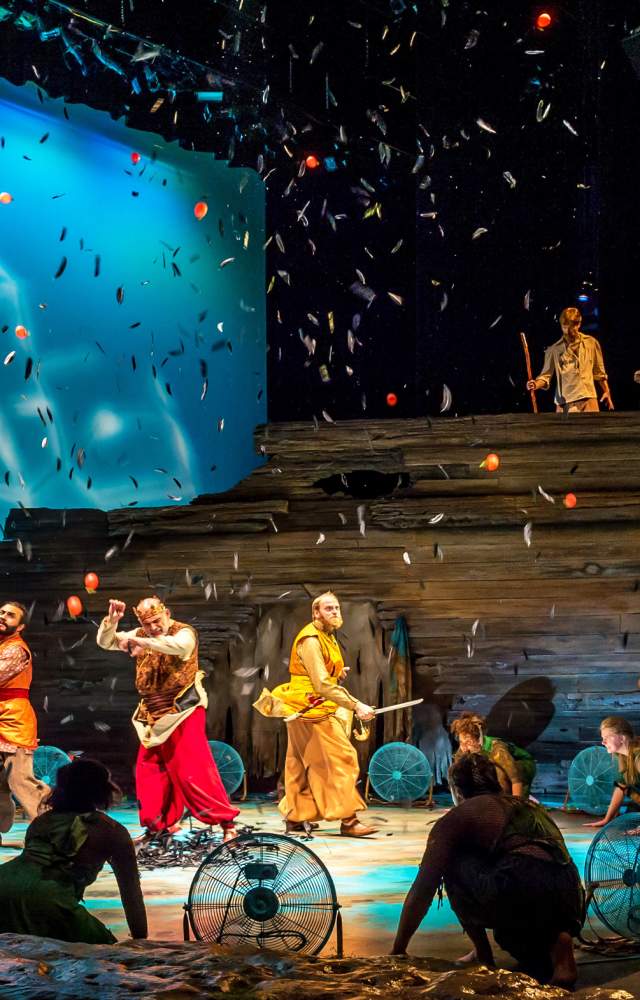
(371, 877)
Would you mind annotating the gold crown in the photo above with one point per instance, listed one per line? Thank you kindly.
(157, 608)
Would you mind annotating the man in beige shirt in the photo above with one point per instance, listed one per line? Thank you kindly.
(576, 360)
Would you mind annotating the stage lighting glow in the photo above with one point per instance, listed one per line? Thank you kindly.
(543, 20)
(126, 364)
(209, 96)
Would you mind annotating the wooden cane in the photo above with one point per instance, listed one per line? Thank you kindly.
(525, 348)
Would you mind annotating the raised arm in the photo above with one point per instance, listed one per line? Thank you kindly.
(108, 637)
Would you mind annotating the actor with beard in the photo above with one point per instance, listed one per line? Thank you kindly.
(175, 769)
(321, 768)
(18, 728)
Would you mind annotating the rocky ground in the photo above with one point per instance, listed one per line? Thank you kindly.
(43, 969)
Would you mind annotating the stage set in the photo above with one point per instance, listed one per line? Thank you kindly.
(305, 574)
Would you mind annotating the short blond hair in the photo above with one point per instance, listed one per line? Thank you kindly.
(315, 604)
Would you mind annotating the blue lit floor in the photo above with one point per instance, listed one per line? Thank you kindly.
(372, 877)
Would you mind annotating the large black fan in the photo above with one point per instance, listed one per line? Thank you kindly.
(612, 875)
(263, 889)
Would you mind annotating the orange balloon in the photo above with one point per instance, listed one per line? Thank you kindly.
(5, 198)
(491, 462)
(392, 399)
(22, 332)
(200, 209)
(91, 582)
(543, 20)
(312, 162)
(570, 500)
(74, 606)
(135, 158)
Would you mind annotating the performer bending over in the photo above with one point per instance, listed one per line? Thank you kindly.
(576, 360)
(516, 767)
(174, 768)
(321, 769)
(18, 728)
(617, 737)
(65, 847)
(505, 866)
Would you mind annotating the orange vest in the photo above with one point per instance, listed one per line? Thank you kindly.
(297, 693)
(17, 718)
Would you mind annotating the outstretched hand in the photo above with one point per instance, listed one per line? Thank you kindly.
(597, 824)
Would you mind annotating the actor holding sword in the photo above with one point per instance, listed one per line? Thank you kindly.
(321, 769)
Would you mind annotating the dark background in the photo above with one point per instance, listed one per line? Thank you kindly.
(555, 190)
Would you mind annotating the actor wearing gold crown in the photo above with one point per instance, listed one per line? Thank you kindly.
(321, 768)
(175, 769)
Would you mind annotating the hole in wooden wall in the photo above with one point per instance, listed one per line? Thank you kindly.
(364, 484)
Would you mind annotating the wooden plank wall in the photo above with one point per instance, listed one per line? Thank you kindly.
(544, 638)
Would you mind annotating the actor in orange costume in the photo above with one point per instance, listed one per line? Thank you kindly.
(18, 728)
(321, 769)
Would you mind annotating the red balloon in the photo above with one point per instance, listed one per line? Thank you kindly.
(570, 500)
(491, 462)
(312, 162)
(22, 332)
(392, 399)
(91, 582)
(135, 158)
(74, 606)
(543, 20)
(200, 209)
(5, 198)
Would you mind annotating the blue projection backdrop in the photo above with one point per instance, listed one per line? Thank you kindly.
(143, 375)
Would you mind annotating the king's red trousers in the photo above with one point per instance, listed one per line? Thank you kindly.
(181, 774)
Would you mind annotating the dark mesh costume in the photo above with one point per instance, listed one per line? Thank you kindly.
(526, 887)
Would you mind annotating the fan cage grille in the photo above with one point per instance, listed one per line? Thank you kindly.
(399, 772)
(229, 763)
(612, 876)
(306, 898)
(47, 761)
(591, 778)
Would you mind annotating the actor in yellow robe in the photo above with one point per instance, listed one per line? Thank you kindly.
(321, 768)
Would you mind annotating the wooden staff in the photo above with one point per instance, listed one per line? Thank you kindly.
(525, 348)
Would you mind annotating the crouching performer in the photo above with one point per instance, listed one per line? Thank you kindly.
(321, 768)
(175, 769)
(505, 866)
